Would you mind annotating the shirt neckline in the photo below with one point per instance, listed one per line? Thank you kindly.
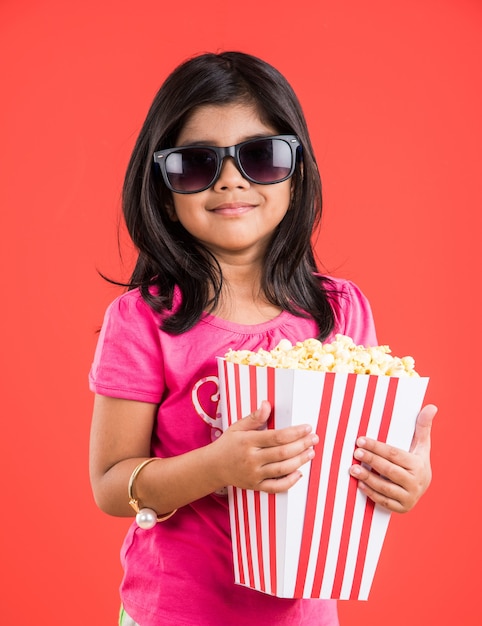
(246, 329)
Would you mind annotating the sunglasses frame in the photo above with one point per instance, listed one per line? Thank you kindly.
(229, 151)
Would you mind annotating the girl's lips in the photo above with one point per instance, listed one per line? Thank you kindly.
(233, 208)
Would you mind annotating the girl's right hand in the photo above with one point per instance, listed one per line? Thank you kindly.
(253, 457)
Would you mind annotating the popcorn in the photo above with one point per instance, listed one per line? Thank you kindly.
(323, 537)
(342, 356)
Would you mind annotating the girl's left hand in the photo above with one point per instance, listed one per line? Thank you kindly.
(396, 479)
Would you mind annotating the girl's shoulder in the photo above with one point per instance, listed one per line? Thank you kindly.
(341, 290)
(134, 304)
(128, 343)
(130, 304)
(353, 313)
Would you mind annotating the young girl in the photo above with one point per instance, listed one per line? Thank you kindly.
(221, 197)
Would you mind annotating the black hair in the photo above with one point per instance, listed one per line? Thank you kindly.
(168, 255)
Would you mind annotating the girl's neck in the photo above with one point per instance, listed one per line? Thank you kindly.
(246, 310)
(242, 300)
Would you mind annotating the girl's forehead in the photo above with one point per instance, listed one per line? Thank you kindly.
(224, 125)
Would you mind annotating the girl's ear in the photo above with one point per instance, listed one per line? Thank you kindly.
(171, 211)
(293, 184)
(302, 169)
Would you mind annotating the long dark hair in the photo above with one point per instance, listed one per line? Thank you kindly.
(168, 255)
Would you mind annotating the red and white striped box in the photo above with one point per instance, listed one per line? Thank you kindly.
(322, 538)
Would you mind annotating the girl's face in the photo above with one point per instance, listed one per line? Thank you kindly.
(234, 218)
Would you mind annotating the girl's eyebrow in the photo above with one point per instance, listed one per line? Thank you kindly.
(208, 143)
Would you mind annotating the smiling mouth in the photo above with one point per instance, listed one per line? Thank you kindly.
(233, 208)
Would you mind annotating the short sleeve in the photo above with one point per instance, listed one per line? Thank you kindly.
(128, 358)
(354, 315)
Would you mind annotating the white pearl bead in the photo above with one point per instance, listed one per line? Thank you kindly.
(146, 518)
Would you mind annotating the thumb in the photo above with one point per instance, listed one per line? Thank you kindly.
(255, 420)
(423, 428)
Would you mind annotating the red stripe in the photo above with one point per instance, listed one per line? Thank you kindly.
(259, 539)
(369, 507)
(226, 386)
(388, 410)
(253, 390)
(237, 387)
(272, 496)
(247, 532)
(362, 549)
(352, 493)
(313, 486)
(238, 537)
(244, 494)
(237, 522)
(271, 387)
(332, 484)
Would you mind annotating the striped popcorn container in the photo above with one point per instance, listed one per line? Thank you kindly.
(322, 538)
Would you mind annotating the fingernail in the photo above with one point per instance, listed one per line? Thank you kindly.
(361, 441)
(355, 470)
(358, 454)
(315, 439)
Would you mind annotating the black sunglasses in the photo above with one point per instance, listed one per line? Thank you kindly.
(265, 161)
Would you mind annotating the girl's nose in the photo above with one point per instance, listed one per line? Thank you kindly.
(230, 176)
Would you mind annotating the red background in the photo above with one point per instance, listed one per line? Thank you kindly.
(392, 92)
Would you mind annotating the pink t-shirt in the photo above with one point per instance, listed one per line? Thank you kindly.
(181, 571)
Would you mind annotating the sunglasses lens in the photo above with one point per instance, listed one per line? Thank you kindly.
(192, 169)
(267, 160)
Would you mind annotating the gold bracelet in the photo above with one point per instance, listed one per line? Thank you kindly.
(145, 518)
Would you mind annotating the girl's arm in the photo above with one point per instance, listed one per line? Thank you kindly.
(397, 479)
(244, 456)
